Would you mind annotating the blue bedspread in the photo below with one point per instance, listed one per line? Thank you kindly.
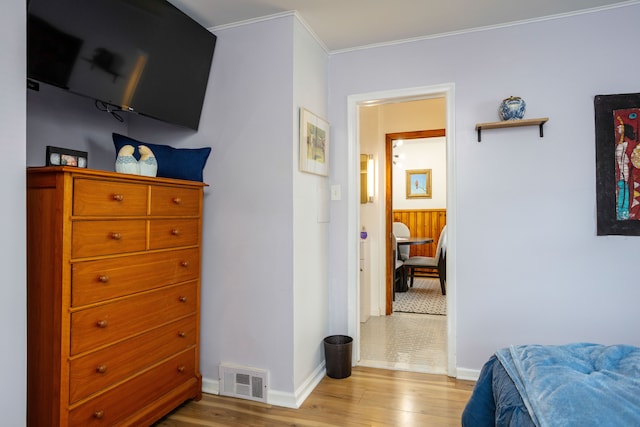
(577, 384)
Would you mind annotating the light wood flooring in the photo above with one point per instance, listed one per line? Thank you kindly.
(369, 397)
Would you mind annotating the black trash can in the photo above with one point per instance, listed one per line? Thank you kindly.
(337, 352)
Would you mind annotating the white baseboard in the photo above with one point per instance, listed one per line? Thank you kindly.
(279, 398)
(311, 382)
(210, 386)
(467, 374)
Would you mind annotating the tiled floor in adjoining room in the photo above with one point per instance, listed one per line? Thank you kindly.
(405, 341)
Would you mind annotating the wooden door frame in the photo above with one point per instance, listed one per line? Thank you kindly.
(389, 138)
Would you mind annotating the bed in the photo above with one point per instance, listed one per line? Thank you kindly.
(578, 384)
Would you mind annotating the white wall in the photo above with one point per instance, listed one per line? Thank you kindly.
(422, 153)
(373, 276)
(62, 119)
(311, 307)
(264, 296)
(247, 280)
(13, 324)
(530, 268)
(250, 119)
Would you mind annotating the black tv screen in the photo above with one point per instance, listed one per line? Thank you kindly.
(144, 56)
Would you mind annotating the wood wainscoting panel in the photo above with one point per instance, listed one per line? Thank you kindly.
(423, 223)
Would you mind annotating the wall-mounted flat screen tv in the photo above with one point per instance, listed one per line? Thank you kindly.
(143, 56)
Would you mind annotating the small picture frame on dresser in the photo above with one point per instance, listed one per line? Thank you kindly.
(57, 156)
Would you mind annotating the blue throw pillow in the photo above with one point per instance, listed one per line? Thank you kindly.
(179, 163)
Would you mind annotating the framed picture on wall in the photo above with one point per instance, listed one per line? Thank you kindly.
(617, 123)
(419, 184)
(314, 143)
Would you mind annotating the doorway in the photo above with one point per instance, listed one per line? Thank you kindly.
(355, 102)
(428, 223)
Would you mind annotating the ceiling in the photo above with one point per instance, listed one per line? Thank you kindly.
(347, 24)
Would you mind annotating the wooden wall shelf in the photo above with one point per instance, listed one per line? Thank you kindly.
(510, 124)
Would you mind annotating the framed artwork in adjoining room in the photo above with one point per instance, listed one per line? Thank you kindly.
(314, 143)
(419, 184)
(57, 156)
(617, 124)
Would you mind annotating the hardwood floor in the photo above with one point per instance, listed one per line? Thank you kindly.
(369, 397)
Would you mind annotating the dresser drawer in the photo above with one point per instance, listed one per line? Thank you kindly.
(173, 233)
(127, 398)
(121, 319)
(175, 201)
(95, 371)
(94, 197)
(94, 281)
(92, 238)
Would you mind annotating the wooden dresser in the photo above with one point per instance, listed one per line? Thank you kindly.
(113, 296)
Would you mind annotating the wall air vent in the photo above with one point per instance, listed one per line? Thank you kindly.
(243, 382)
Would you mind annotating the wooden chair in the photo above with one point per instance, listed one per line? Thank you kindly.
(401, 230)
(442, 271)
(438, 262)
(399, 281)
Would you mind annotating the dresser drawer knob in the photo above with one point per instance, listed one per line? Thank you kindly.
(98, 414)
(175, 232)
(177, 200)
(182, 298)
(184, 264)
(118, 197)
(101, 369)
(102, 323)
(116, 236)
(181, 368)
(103, 278)
(182, 334)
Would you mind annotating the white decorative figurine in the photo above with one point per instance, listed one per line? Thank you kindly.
(148, 164)
(125, 162)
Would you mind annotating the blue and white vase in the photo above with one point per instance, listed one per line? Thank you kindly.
(512, 108)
